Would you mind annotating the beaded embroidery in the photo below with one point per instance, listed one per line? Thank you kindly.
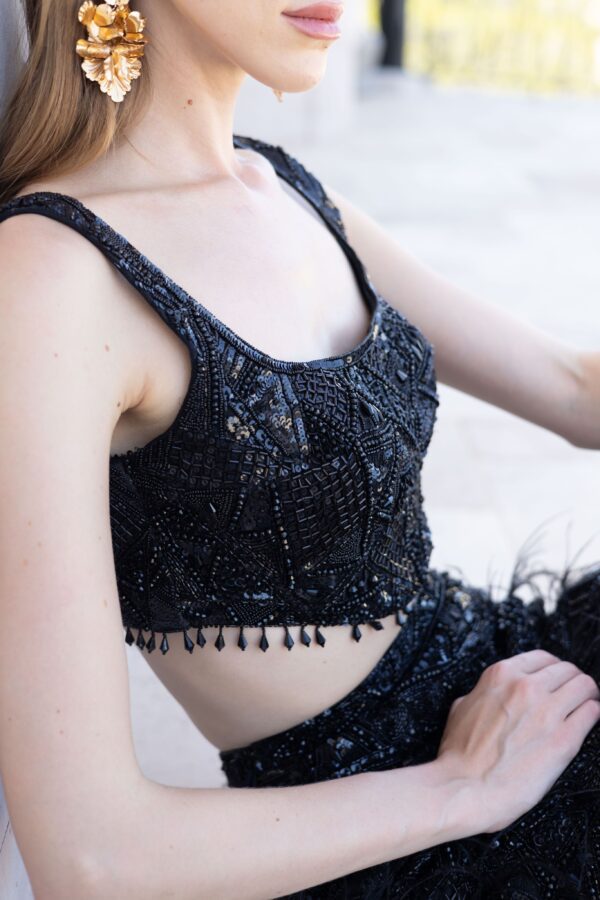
(396, 716)
(284, 493)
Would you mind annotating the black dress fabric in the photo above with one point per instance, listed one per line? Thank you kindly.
(289, 494)
(395, 717)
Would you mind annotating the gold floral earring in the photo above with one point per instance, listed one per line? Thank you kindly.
(278, 94)
(115, 43)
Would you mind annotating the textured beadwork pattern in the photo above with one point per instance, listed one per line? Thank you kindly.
(396, 716)
(284, 493)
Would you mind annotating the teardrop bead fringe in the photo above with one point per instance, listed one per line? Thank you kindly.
(264, 644)
(242, 642)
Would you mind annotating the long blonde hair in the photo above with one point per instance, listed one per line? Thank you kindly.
(55, 120)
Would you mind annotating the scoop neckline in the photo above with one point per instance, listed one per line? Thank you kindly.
(197, 309)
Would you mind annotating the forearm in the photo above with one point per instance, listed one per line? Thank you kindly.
(257, 843)
(584, 411)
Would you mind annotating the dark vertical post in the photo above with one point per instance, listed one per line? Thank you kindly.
(393, 27)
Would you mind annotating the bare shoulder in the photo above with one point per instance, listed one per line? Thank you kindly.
(39, 238)
(34, 245)
(56, 282)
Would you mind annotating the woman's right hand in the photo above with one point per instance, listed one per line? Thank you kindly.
(516, 731)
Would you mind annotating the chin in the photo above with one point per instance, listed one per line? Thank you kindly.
(290, 79)
(297, 85)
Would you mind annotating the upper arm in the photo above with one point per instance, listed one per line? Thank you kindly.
(480, 348)
(66, 748)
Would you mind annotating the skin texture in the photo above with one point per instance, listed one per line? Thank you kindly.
(481, 348)
(96, 371)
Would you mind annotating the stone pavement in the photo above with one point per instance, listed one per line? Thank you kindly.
(500, 193)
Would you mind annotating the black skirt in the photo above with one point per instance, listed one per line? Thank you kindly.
(396, 716)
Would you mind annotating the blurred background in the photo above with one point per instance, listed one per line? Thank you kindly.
(470, 130)
(546, 47)
(539, 45)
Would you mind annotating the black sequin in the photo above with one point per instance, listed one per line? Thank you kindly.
(395, 717)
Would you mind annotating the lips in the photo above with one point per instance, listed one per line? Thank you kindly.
(327, 12)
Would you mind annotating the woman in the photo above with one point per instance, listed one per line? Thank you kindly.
(222, 463)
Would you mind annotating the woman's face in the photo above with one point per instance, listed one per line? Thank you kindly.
(259, 38)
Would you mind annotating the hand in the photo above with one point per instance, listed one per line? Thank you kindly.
(516, 731)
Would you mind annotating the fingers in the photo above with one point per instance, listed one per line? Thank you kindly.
(574, 692)
(533, 660)
(521, 663)
(556, 674)
(578, 724)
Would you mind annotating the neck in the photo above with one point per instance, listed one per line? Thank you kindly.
(185, 136)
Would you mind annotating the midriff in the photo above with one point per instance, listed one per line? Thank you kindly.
(237, 696)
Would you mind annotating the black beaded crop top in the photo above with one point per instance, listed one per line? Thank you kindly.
(284, 493)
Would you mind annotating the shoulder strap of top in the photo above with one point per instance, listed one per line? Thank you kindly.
(170, 301)
(307, 184)
(295, 172)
